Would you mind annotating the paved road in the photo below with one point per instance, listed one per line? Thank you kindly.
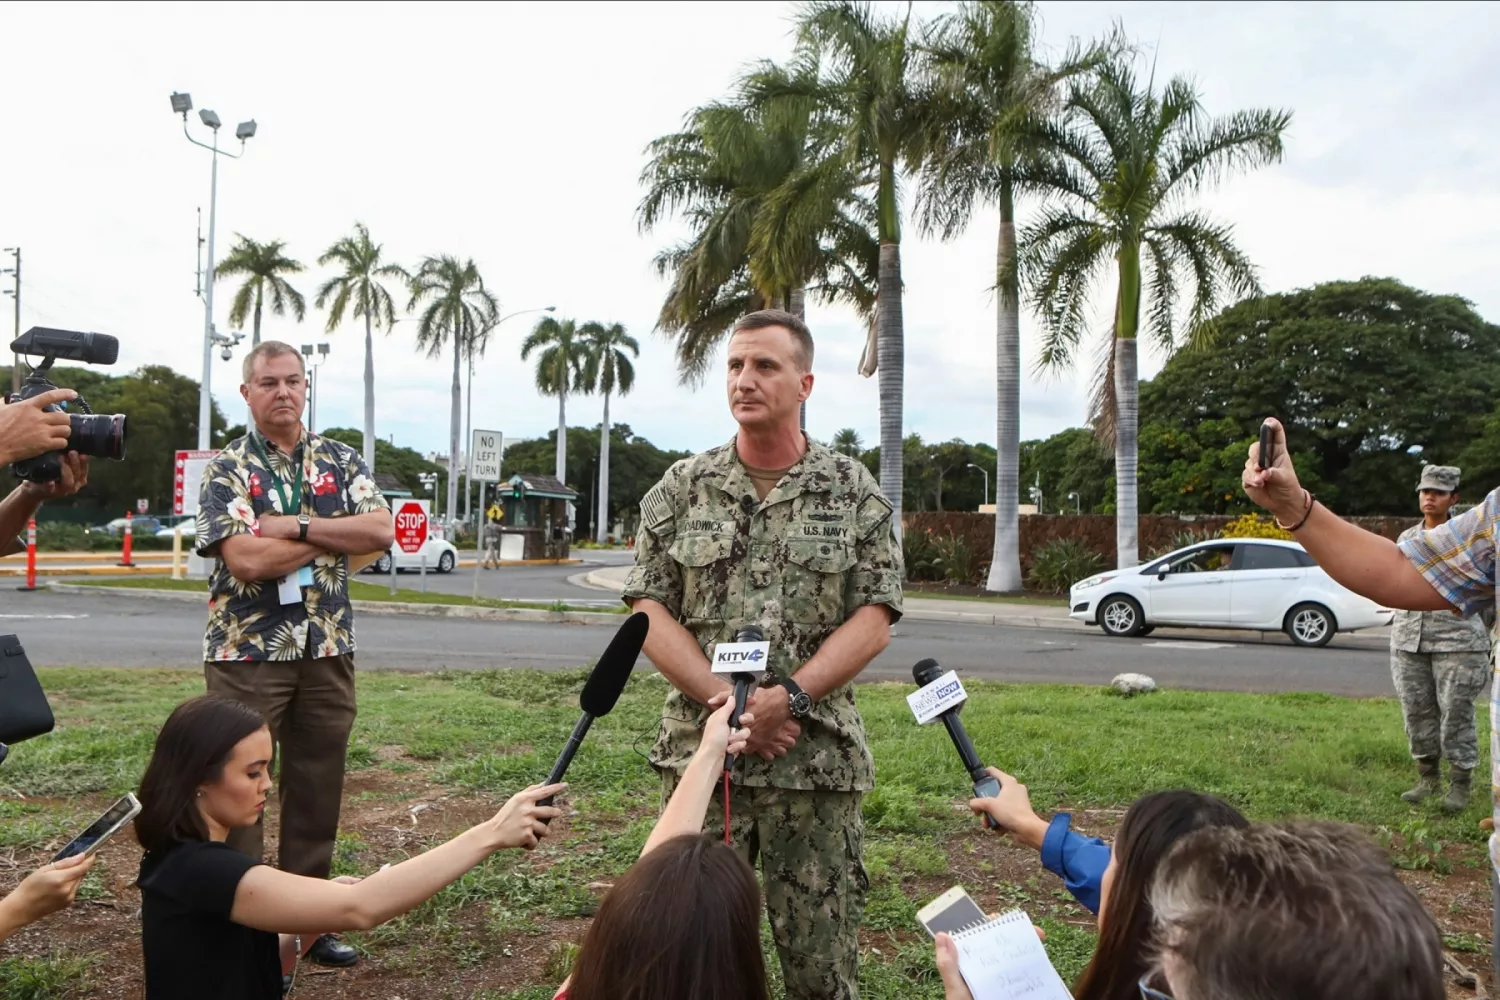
(117, 631)
(521, 583)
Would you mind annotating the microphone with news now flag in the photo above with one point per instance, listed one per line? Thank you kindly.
(749, 651)
(940, 696)
(602, 689)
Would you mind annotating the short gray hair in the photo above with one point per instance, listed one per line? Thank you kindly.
(1306, 909)
(764, 319)
(268, 349)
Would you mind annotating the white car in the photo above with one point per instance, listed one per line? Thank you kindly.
(1249, 583)
(441, 555)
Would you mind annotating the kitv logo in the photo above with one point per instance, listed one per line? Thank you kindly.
(740, 657)
(735, 656)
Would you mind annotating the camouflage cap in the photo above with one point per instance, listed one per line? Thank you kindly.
(1439, 477)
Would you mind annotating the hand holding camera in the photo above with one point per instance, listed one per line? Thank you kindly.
(88, 434)
(34, 426)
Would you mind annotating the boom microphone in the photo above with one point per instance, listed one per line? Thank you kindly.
(742, 681)
(985, 784)
(603, 688)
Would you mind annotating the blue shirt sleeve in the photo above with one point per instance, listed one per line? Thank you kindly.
(1080, 861)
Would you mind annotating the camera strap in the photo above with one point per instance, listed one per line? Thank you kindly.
(289, 505)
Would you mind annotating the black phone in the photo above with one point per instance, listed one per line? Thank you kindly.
(988, 787)
(1267, 446)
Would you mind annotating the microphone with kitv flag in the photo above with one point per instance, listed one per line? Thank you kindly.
(748, 652)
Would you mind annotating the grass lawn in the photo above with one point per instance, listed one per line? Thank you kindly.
(944, 594)
(433, 753)
(359, 590)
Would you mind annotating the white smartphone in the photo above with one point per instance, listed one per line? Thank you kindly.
(101, 829)
(950, 912)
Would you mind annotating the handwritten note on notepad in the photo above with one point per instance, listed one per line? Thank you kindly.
(1002, 959)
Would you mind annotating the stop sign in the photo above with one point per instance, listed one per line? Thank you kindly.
(411, 527)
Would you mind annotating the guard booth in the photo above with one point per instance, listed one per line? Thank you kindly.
(536, 523)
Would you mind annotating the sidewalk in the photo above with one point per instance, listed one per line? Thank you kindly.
(1001, 613)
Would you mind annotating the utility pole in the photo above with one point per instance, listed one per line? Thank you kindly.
(15, 366)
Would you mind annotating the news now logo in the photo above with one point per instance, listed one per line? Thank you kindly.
(739, 657)
(932, 700)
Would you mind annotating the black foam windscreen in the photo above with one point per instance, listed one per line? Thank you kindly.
(926, 671)
(750, 633)
(613, 669)
(104, 349)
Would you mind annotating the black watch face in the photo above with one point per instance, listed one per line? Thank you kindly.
(801, 703)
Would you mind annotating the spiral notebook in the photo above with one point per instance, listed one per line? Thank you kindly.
(1002, 959)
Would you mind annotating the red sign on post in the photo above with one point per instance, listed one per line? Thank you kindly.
(411, 527)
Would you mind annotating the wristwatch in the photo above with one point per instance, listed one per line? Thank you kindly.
(801, 701)
(302, 522)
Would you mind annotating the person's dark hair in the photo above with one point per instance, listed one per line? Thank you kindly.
(192, 748)
(682, 924)
(763, 319)
(1308, 909)
(1152, 826)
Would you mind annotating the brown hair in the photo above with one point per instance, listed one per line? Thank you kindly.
(1151, 827)
(682, 924)
(268, 349)
(192, 748)
(1310, 910)
(764, 319)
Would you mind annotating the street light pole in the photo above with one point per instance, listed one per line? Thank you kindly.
(15, 368)
(986, 473)
(183, 103)
(312, 362)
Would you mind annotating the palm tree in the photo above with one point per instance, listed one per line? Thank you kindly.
(559, 371)
(359, 287)
(458, 311)
(718, 174)
(607, 370)
(870, 87)
(263, 265)
(847, 442)
(1133, 156)
(989, 145)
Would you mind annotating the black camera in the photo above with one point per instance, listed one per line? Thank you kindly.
(98, 435)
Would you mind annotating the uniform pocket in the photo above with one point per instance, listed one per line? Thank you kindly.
(705, 573)
(814, 578)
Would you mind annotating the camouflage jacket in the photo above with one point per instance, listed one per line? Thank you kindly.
(1436, 631)
(247, 621)
(819, 547)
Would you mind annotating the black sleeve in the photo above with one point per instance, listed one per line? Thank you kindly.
(204, 877)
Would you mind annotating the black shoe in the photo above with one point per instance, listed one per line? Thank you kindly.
(329, 950)
(286, 984)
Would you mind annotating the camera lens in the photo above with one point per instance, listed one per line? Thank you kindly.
(98, 435)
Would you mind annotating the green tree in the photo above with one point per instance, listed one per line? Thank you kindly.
(1133, 155)
(561, 358)
(406, 464)
(607, 370)
(358, 290)
(458, 311)
(1371, 378)
(991, 145)
(263, 266)
(847, 442)
(1070, 461)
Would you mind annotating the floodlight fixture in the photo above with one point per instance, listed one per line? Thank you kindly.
(245, 130)
(181, 103)
(210, 119)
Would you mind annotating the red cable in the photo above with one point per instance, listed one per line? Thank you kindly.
(726, 808)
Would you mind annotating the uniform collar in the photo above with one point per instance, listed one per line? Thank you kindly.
(809, 474)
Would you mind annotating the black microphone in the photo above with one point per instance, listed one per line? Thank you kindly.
(742, 682)
(603, 688)
(986, 785)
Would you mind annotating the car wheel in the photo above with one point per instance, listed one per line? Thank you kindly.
(383, 564)
(1120, 616)
(1310, 625)
(445, 562)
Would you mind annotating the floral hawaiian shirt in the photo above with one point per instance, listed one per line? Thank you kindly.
(247, 621)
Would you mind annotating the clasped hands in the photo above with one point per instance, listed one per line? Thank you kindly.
(768, 716)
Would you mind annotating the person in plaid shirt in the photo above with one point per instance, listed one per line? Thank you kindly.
(1447, 568)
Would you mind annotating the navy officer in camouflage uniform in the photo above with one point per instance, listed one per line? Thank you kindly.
(776, 530)
(1440, 662)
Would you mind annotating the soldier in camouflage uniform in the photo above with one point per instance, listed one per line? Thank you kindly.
(775, 530)
(1440, 662)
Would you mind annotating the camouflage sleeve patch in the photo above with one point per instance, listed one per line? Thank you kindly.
(879, 568)
(656, 509)
(656, 574)
(874, 511)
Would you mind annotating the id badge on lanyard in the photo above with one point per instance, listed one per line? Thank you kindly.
(289, 587)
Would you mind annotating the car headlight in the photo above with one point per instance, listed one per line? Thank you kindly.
(1092, 581)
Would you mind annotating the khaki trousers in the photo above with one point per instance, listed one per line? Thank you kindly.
(309, 706)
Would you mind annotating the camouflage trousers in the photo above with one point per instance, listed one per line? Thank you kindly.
(810, 846)
(1437, 692)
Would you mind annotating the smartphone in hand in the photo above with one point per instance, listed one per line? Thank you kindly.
(1267, 446)
(106, 826)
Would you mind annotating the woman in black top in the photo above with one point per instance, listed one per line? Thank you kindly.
(218, 925)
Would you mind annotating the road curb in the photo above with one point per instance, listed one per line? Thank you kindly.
(379, 607)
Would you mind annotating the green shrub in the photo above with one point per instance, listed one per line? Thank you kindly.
(956, 559)
(919, 550)
(1061, 563)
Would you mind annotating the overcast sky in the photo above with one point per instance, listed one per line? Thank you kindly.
(513, 134)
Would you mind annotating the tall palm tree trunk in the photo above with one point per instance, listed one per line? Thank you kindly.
(892, 364)
(601, 527)
(562, 434)
(1127, 404)
(255, 337)
(468, 434)
(796, 304)
(1005, 558)
(453, 428)
(369, 395)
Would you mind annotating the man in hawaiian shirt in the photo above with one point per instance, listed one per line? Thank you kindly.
(280, 510)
